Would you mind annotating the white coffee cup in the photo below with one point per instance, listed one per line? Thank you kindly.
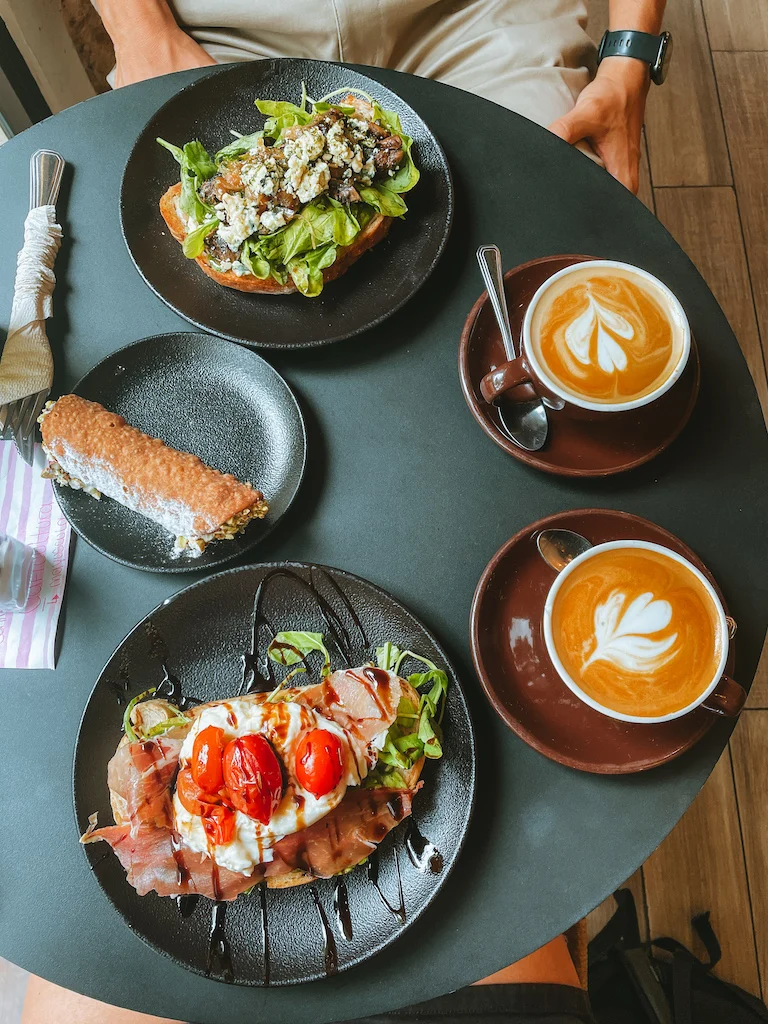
(722, 695)
(528, 368)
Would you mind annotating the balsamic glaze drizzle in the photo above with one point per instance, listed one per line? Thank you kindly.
(341, 908)
(219, 955)
(186, 904)
(424, 855)
(264, 931)
(398, 912)
(330, 952)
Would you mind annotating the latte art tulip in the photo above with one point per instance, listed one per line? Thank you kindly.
(637, 631)
(606, 335)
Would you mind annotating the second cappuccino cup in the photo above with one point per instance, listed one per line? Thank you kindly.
(601, 337)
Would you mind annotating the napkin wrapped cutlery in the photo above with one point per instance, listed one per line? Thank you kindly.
(26, 366)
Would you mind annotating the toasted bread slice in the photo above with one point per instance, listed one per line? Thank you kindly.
(373, 232)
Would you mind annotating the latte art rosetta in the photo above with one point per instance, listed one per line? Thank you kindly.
(606, 335)
(636, 631)
(624, 636)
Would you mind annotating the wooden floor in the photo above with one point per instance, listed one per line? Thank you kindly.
(705, 175)
(706, 179)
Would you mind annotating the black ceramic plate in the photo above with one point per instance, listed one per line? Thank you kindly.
(205, 396)
(200, 636)
(377, 285)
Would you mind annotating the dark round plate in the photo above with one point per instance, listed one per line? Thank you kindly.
(581, 448)
(377, 285)
(205, 396)
(519, 679)
(200, 634)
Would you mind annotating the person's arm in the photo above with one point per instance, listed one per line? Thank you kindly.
(609, 112)
(147, 40)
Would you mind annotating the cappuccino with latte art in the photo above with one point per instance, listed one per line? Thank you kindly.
(637, 630)
(607, 335)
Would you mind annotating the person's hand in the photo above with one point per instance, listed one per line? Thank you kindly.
(147, 56)
(609, 115)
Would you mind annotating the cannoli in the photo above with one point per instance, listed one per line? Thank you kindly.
(92, 449)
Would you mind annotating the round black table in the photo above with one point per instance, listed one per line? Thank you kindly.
(405, 489)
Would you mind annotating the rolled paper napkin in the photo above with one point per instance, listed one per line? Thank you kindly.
(26, 366)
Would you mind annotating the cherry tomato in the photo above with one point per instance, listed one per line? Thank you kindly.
(219, 824)
(206, 759)
(319, 762)
(192, 797)
(253, 777)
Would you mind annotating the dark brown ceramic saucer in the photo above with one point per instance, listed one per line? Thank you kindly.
(512, 663)
(574, 447)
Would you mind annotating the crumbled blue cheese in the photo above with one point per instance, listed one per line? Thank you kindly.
(239, 269)
(241, 216)
(307, 146)
(271, 220)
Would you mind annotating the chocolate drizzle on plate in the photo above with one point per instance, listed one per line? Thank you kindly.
(330, 952)
(397, 911)
(186, 904)
(341, 908)
(219, 961)
(423, 854)
(258, 672)
(264, 931)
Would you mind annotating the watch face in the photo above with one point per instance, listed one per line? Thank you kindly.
(660, 68)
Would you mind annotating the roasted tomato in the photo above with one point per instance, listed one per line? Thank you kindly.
(252, 776)
(192, 797)
(319, 762)
(219, 824)
(206, 759)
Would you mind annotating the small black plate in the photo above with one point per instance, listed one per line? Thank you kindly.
(200, 395)
(374, 288)
(200, 635)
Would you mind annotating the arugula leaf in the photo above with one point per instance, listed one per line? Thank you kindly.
(241, 145)
(195, 241)
(384, 199)
(292, 647)
(386, 656)
(282, 115)
(307, 270)
(252, 258)
(196, 167)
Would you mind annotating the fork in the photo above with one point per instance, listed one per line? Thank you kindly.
(18, 418)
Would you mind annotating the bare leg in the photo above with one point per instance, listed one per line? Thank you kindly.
(550, 965)
(46, 1003)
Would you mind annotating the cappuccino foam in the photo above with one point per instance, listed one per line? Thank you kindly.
(607, 335)
(637, 631)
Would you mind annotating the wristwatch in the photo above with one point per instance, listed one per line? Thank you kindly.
(652, 50)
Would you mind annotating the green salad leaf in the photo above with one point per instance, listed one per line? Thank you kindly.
(195, 241)
(384, 200)
(293, 646)
(196, 167)
(242, 144)
(282, 115)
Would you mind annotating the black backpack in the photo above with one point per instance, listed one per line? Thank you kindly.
(631, 982)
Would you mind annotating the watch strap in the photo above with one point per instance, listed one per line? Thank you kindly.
(630, 43)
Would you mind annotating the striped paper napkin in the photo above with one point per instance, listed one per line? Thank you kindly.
(30, 513)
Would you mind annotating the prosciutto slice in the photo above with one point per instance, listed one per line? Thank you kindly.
(362, 700)
(346, 836)
(154, 858)
(141, 774)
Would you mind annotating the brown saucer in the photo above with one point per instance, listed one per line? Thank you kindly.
(519, 679)
(574, 447)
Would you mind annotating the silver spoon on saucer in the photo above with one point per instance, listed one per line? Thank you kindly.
(525, 423)
(559, 547)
